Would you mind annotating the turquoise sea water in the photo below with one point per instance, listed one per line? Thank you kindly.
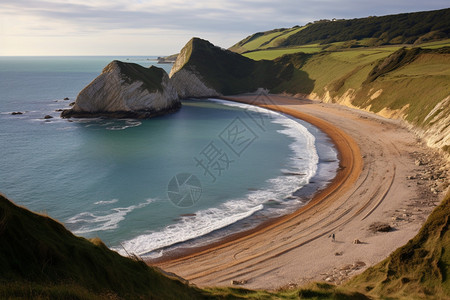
(122, 180)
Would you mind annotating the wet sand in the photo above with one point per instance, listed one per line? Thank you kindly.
(378, 181)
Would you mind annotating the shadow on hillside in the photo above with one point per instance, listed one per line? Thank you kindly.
(298, 83)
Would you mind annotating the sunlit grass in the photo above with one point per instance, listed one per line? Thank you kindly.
(274, 53)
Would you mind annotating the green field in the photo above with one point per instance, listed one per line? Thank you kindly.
(265, 40)
(276, 41)
(274, 53)
(418, 84)
(436, 44)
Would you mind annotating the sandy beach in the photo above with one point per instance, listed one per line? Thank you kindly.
(385, 175)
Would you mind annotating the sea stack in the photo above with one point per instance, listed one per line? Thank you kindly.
(126, 90)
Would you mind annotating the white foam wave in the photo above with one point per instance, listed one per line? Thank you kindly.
(106, 202)
(190, 227)
(86, 222)
(128, 124)
(98, 123)
(303, 161)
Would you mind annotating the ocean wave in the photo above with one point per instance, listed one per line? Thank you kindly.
(87, 222)
(302, 166)
(106, 202)
(128, 124)
(190, 227)
(100, 124)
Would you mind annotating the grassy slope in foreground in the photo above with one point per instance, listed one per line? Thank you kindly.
(39, 258)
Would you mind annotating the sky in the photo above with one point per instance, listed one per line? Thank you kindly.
(163, 27)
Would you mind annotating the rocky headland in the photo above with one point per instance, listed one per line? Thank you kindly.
(205, 70)
(398, 85)
(126, 90)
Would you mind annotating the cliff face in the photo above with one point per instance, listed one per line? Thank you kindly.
(406, 84)
(204, 70)
(189, 84)
(126, 90)
(184, 75)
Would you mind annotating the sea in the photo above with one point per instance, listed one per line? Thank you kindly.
(149, 187)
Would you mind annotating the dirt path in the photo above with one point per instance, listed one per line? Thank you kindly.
(376, 158)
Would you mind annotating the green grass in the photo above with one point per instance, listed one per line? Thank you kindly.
(151, 77)
(405, 28)
(257, 43)
(436, 44)
(39, 258)
(420, 80)
(278, 40)
(275, 53)
(312, 291)
(264, 40)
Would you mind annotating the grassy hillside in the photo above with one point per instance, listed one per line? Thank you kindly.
(409, 83)
(409, 28)
(271, 54)
(40, 259)
(264, 40)
(412, 84)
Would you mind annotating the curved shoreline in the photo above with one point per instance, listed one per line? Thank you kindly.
(287, 249)
(350, 164)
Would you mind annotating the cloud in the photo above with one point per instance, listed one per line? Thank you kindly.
(221, 20)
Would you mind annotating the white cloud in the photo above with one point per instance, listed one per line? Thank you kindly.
(96, 26)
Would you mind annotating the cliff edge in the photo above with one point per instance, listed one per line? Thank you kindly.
(205, 70)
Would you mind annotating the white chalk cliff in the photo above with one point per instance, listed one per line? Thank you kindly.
(126, 90)
(186, 80)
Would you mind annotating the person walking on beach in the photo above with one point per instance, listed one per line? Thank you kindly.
(333, 237)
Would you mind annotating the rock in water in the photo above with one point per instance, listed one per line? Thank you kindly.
(126, 90)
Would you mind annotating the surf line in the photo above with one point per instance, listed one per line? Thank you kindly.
(350, 168)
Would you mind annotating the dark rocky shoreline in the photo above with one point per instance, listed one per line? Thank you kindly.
(142, 114)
